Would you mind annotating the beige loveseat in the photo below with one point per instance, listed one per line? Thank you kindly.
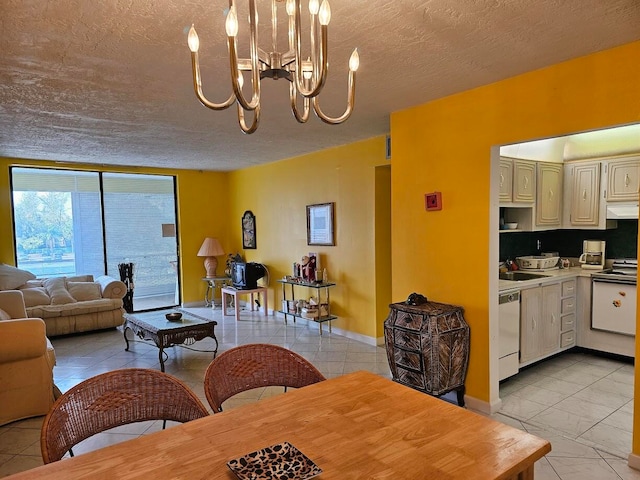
(68, 304)
(26, 362)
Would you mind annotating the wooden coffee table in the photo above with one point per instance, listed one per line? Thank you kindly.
(154, 326)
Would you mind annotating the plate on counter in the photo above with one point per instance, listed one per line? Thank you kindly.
(281, 461)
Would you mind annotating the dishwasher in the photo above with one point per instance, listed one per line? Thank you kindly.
(509, 333)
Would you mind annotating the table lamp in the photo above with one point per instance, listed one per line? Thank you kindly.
(210, 249)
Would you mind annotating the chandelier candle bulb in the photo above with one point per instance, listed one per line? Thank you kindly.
(354, 61)
(231, 25)
(325, 13)
(193, 40)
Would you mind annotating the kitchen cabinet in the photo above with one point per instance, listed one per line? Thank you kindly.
(583, 193)
(533, 198)
(549, 194)
(540, 322)
(585, 196)
(517, 181)
(524, 181)
(568, 314)
(506, 180)
(623, 180)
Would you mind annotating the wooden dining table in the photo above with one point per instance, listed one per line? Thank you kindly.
(356, 426)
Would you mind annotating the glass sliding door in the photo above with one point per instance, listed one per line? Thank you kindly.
(74, 222)
(140, 228)
(58, 221)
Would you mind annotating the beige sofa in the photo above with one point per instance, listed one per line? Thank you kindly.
(26, 362)
(68, 304)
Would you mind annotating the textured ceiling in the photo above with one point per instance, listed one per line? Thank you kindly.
(109, 82)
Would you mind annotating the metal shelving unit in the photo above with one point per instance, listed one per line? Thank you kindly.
(320, 288)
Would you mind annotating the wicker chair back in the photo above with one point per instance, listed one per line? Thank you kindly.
(256, 365)
(112, 399)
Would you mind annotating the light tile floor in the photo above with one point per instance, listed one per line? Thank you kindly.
(543, 400)
(581, 403)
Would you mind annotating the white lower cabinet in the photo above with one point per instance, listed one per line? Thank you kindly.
(547, 320)
(568, 314)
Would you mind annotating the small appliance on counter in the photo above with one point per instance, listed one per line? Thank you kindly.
(592, 257)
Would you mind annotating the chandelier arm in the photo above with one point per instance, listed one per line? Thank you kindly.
(320, 67)
(351, 97)
(293, 95)
(197, 86)
(254, 123)
(233, 61)
(323, 60)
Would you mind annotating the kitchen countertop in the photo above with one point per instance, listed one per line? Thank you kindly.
(551, 276)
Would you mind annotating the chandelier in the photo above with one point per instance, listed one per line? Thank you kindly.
(306, 77)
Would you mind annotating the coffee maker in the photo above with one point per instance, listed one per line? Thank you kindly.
(592, 257)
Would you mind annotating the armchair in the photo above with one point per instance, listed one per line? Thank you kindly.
(26, 362)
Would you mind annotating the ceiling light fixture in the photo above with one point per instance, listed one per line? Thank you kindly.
(306, 77)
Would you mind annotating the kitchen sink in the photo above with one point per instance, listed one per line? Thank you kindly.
(520, 276)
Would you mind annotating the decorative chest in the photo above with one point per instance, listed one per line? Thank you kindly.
(428, 347)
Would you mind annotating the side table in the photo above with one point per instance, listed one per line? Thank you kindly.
(234, 292)
(210, 293)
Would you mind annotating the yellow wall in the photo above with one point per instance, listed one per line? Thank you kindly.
(445, 146)
(383, 246)
(202, 206)
(278, 193)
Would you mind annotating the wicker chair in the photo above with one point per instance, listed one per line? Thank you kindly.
(256, 365)
(112, 399)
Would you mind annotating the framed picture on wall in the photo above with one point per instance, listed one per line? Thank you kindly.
(248, 230)
(320, 224)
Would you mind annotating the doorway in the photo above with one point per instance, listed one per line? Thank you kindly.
(550, 392)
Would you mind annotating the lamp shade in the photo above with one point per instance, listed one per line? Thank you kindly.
(210, 249)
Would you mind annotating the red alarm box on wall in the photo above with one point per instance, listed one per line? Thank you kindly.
(433, 201)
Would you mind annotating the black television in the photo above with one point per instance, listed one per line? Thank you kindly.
(245, 276)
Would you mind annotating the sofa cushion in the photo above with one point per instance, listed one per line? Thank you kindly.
(12, 277)
(80, 278)
(78, 308)
(35, 296)
(57, 290)
(83, 291)
(4, 315)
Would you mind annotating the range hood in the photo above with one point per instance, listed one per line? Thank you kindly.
(622, 211)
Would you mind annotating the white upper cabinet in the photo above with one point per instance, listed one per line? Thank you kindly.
(506, 179)
(549, 194)
(517, 181)
(524, 181)
(623, 180)
(583, 181)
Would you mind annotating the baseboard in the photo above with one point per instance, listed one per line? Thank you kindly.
(356, 336)
(481, 406)
(634, 461)
(345, 333)
(193, 304)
